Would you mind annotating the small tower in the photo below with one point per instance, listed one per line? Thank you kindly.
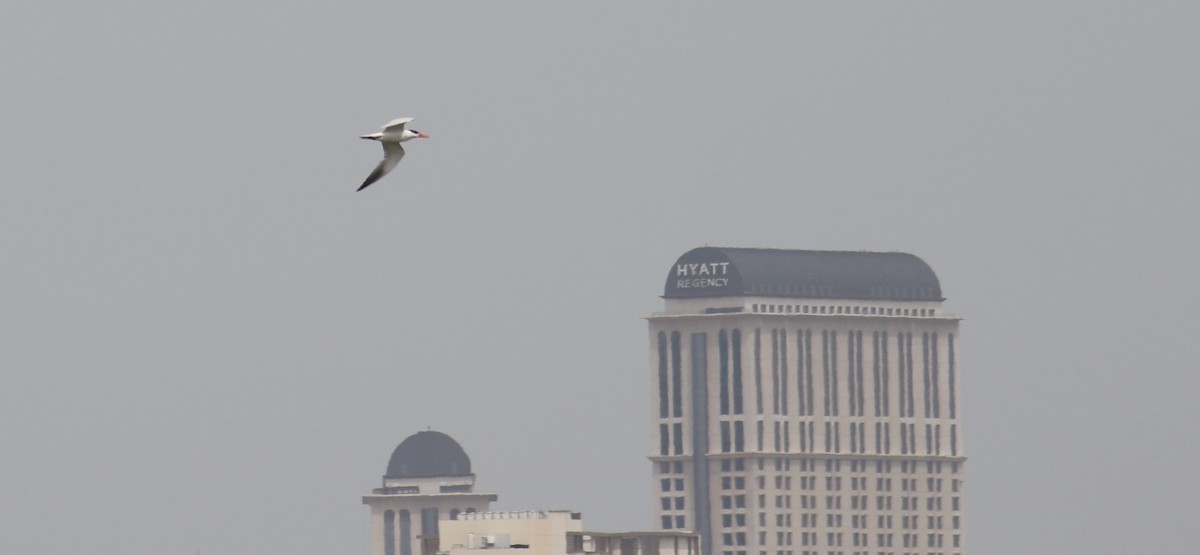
(428, 478)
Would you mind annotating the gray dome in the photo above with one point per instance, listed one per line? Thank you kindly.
(428, 454)
(724, 272)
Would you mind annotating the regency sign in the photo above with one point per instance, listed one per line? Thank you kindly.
(703, 272)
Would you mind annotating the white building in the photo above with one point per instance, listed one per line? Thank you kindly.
(807, 402)
(428, 479)
(552, 533)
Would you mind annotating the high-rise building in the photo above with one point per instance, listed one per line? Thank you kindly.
(807, 402)
(428, 479)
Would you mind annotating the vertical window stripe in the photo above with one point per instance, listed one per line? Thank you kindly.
(833, 368)
(737, 371)
(951, 376)
(885, 370)
(389, 533)
(676, 374)
(933, 376)
(857, 354)
(775, 372)
(908, 369)
(875, 379)
(851, 383)
(925, 359)
(758, 394)
(853, 438)
(405, 533)
(900, 375)
(664, 393)
(783, 372)
(723, 361)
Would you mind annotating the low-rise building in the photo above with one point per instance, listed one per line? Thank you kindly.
(552, 533)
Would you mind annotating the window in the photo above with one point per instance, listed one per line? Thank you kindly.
(950, 373)
(429, 522)
(676, 375)
(389, 532)
(405, 533)
(736, 343)
(663, 393)
(723, 358)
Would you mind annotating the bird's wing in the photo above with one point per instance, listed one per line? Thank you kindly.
(392, 153)
(396, 125)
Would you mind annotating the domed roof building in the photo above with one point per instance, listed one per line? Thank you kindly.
(840, 365)
(428, 478)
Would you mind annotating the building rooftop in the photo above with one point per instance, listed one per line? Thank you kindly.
(726, 272)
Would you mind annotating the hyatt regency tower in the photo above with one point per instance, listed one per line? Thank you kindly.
(807, 402)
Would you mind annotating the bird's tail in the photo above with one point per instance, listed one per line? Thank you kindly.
(375, 136)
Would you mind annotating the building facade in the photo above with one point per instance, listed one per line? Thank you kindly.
(428, 479)
(807, 402)
(552, 533)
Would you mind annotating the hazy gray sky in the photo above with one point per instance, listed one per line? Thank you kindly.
(209, 340)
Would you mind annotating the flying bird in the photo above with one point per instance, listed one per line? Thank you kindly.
(392, 135)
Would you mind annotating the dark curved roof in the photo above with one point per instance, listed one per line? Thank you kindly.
(428, 454)
(724, 272)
